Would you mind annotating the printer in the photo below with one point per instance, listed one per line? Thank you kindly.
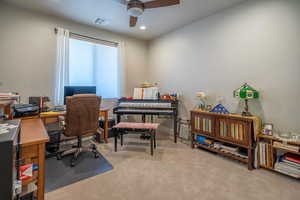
(25, 110)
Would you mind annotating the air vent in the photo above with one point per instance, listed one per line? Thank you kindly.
(101, 21)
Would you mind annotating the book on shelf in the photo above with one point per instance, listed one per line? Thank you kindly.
(217, 145)
(261, 154)
(229, 148)
(285, 171)
(203, 124)
(204, 140)
(265, 154)
(255, 157)
(196, 123)
(233, 130)
(29, 189)
(222, 129)
(288, 164)
(292, 157)
(237, 151)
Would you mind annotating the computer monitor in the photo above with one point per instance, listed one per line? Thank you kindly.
(71, 90)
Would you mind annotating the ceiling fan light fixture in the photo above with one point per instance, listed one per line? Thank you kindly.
(135, 11)
(135, 8)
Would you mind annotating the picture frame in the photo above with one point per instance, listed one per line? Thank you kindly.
(268, 129)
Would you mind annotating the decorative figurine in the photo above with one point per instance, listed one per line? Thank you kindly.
(220, 109)
(202, 103)
(208, 107)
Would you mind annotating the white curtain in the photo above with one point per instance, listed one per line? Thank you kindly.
(62, 66)
(121, 69)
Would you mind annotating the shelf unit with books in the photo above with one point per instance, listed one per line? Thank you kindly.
(225, 129)
(279, 155)
(33, 139)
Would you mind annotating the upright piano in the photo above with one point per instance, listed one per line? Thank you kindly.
(148, 107)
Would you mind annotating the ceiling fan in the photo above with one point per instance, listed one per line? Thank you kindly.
(136, 8)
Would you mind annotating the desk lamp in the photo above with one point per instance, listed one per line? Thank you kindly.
(246, 92)
(202, 97)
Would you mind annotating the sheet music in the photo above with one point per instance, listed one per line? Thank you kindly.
(4, 128)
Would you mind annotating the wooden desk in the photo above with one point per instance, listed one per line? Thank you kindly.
(33, 139)
(49, 116)
(7, 106)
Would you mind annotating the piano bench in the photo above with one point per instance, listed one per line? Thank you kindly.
(123, 127)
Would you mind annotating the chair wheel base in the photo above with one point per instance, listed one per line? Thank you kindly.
(77, 153)
(58, 156)
(73, 161)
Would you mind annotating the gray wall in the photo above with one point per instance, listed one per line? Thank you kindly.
(257, 42)
(28, 52)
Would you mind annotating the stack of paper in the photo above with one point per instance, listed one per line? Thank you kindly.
(145, 93)
(4, 128)
(289, 164)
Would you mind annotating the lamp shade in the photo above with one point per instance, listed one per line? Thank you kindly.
(201, 95)
(246, 92)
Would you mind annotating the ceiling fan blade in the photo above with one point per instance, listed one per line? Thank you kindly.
(124, 2)
(160, 3)
(133, 21)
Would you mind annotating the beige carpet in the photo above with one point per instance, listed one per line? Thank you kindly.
(176, 172)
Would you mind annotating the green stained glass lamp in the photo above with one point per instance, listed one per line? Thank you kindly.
(246, 92)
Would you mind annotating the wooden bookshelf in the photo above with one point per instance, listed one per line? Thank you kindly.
(233, 129)
(273, 151)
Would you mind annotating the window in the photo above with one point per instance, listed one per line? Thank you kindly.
(94, 64)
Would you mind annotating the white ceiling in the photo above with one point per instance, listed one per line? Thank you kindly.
(158, 20)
